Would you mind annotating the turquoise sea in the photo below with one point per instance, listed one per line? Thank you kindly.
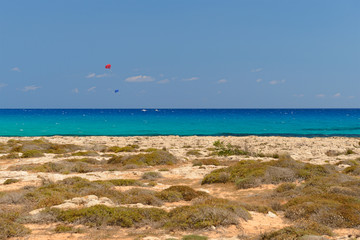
(183, 122)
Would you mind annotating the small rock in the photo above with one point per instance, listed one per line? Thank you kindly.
(271, 214)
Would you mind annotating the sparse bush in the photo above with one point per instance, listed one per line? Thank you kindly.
(10, 229)
(330, 200)
(227, 150)
(352, 170)
(12, 155)
(207, 213)
(151, 175)
(193, 152)
(85, 160)
(62, 228)
(10, 181)
(138, 195)
(63, 167)
(251, 173)
(32, 154)
(122, 182)
(285, 187)
(85, 153)
(206, 161)
(128, 148)
(158, 157)
(296, 232)
(194, 237)
(176, 193)
(164, 170)
(101, 215)
(349, 151)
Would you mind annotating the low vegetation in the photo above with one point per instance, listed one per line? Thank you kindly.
(158, 157)
(64, 167)
(206, 213)
(11, 181)
(222, 149)
(101, 215)
(252, 173)
(298, 231)
(39, 145)
(10, 229)
(128, 148)
(206, 161)
(151, 175)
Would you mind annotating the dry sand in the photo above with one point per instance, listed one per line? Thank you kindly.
(311, 150)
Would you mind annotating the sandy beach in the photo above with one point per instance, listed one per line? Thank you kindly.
(97, 152)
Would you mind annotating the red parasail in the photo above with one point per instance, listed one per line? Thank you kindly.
(108, 66)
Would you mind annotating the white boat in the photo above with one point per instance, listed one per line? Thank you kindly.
(143, 110)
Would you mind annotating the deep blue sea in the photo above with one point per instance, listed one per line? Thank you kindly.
(183, 122)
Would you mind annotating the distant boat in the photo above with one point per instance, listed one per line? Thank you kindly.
(143, 110)
(156, 110)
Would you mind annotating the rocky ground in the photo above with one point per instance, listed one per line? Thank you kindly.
(38, 201)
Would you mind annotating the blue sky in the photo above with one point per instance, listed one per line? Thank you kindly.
(180, 54)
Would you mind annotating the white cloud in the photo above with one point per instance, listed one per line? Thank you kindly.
(30, 88)
(257, 70)
(3, 85)
(222, 81)
(259, 80)
(351, 97)
(320, 95)
(91, 89)
(191, 79)
(91, 75)
(94, 75)
(15, 69)
(75, 90)
(337, 95)
(163, 81)
(299, 95)
(140, 78)
(101, 75)
(274, 82)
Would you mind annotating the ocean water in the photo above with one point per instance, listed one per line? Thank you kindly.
(183, 122)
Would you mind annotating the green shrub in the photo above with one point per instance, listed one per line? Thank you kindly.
(32, 154)
(285, 187)
(158, 157)
(138, 195)
(122, 182)
(151, 175)
(176, 193)
(10, 181)
(349, 151)
(194, 237)
(63, 167)
(50, 193)
(62, 228)
(101, 215)
(193, 152)
(84, 160)
(12, 155)
(128, 148)
(206, 213)
(206, 161)
(227, 150)
(85, 153)
(296, 232)
(251, 173)
(10, 229)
